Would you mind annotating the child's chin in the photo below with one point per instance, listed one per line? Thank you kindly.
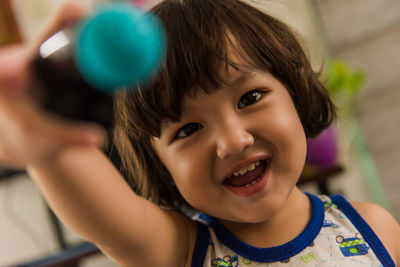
(256, 219)
(260, 212)
(252, 217)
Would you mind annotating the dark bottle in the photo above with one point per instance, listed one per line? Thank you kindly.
(79, 68)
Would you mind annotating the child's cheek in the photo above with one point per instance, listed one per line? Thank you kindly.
(287, 135)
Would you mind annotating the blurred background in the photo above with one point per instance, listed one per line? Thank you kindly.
(355, 44)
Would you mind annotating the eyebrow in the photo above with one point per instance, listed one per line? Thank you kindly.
(241, 79)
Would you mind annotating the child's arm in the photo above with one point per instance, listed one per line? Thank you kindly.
(78, 181)
(384, 225)
(83, 187)
(89, 195)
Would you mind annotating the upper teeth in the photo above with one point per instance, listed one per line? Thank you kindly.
(251, 167)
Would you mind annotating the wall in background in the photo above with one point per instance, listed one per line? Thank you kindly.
(9, 30)
(367, 35)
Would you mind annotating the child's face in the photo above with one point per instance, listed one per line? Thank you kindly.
(252, 121)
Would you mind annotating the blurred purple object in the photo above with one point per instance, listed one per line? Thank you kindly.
(322, 151)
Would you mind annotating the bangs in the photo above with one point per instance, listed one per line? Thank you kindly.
(207, 37)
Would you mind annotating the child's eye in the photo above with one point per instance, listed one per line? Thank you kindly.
(187, 130)
(249, 98)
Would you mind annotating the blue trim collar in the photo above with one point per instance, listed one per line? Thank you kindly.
(272, 254)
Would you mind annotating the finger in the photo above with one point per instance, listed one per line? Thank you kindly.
(62, 132)
(10, 162)
(70, 12)
(14, 60)
(73, 132)
(26, 127)
(13, 69)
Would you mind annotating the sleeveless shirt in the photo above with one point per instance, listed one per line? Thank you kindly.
(336, 235)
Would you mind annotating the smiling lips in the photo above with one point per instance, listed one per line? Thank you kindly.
(250, 180)
(247, 176)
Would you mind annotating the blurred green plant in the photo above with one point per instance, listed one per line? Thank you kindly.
(343, 83)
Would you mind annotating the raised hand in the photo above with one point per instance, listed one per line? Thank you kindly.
(28, 134)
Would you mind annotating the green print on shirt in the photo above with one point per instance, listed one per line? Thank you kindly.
(308, 258)
(246, 261)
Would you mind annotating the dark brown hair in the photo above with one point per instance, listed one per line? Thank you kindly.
(201, 35)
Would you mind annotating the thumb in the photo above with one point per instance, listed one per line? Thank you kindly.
(13, 69)
(14, 60)
(70, 12)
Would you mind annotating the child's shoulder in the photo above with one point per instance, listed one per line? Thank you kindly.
(384, 225)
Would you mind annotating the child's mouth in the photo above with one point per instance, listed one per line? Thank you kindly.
(248, 181)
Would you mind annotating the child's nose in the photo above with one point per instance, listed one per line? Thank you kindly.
(232, 139)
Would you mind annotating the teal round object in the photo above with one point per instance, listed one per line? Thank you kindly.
(118, 46)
